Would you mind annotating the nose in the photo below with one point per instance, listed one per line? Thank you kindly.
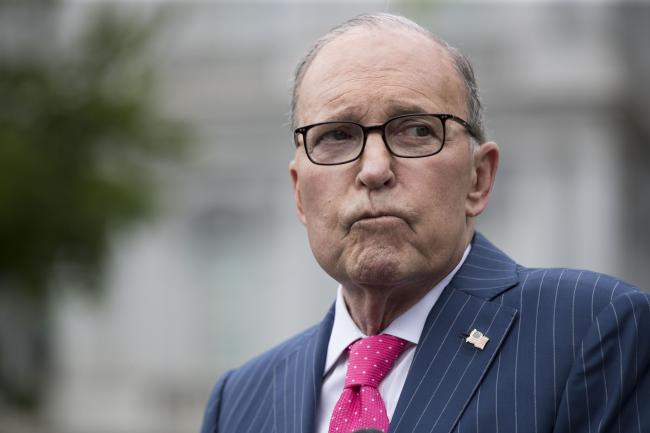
(376, 162)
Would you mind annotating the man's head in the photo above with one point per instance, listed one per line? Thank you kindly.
(383, 220)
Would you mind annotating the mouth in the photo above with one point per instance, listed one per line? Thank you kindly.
(376, 218)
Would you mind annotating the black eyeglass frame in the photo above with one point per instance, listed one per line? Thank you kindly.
(382, 127)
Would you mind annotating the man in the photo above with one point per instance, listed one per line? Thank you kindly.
(434, 329)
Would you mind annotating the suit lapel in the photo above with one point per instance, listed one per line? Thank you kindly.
(297, 381)
(446, 370)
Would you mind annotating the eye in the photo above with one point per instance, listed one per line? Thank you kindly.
(335, 135)
(418, 131)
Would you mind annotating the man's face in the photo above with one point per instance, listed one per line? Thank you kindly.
(384, 220)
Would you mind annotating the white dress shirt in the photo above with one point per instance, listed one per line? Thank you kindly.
(407, 326)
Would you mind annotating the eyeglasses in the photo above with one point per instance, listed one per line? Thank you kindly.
(406, 136)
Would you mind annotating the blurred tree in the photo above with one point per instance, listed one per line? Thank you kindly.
(80, 140)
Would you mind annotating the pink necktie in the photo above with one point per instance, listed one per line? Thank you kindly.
(360, 405)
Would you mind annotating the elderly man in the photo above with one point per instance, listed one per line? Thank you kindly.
(434, 329)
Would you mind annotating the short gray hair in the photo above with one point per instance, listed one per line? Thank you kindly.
(378, 20)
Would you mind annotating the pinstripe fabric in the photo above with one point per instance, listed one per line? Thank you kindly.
(567, 354)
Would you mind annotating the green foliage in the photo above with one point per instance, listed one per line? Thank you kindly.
(80, 137)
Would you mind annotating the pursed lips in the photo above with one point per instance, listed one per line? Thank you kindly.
(376, 216)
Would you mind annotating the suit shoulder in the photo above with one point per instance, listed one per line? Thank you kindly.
(238, 390)
(582, 287)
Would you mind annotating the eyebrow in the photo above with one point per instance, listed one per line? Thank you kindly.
(355, 114)
(347, 114)
(398, 109)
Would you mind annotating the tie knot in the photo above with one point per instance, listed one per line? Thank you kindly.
(371, 359)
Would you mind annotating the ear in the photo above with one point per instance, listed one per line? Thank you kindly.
(486, 162)
(295, 184)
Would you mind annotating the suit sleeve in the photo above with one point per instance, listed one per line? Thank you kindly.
(213, 408)
(608, 389)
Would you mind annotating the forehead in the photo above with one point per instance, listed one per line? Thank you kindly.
(369, 74)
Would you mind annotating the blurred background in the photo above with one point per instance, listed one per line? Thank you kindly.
(146, 217)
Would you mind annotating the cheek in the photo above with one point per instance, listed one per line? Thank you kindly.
(321, 205)
(319, 202)
(441, 191)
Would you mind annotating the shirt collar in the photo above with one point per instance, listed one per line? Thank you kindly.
(408, 326)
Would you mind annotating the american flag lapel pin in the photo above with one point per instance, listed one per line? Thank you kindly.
(477, 339)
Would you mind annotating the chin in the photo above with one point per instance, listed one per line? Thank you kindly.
(376, 266)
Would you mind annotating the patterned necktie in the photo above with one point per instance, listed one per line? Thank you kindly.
(360, 405)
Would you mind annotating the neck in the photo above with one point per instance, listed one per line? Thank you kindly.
(372, 309)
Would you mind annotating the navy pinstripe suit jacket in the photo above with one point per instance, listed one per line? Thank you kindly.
(569, 352)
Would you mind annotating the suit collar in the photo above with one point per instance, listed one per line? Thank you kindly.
(487, 272)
